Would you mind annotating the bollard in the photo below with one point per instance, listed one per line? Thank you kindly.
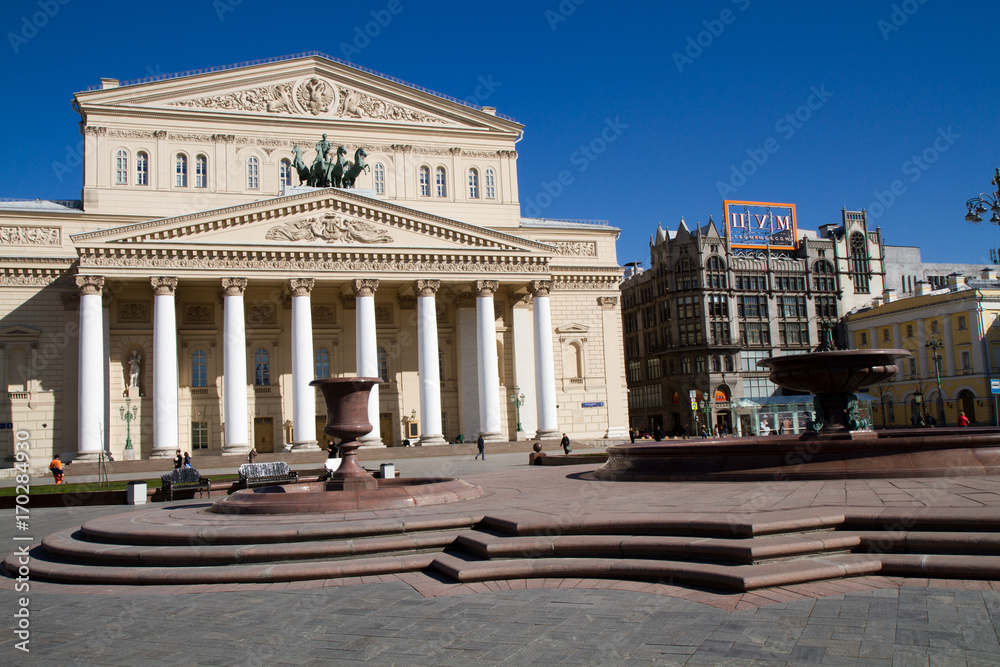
(388, 470)
(136, 494)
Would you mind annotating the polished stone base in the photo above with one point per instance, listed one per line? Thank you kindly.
(842, 455)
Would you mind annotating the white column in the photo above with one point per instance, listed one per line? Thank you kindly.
(367, 351)
(545, 372)
(486, 348)
(976, 325)
(165, 413)
(523, 351)
(303, 396)
(234, 362)
(91, 424)
(428, 363)
(106, 333)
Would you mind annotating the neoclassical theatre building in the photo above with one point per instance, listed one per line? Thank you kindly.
(210, 272)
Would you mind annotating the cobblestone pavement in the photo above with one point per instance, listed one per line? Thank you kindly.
(414, 620)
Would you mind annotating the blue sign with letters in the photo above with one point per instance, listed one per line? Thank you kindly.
(595, 404)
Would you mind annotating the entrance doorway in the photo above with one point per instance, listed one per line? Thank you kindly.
(263, 434)
(968, 405)
(385, 428)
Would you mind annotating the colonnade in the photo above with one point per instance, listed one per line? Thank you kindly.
(92, 416)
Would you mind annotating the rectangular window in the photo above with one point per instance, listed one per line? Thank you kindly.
(886, 336)
(199, 435)
(966, 360)
(634, 370)
(909, 331)
(864, 338)
(961, 322)
(912, 367)
(653, 369)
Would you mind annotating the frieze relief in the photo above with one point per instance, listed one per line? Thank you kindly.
(133, 134)
(132, 311)
(330, 227)
(268, 99)
(575, 248)
(203, 138)
(481, 153)
(324, 315)
(198, 313)
(361, 105)
(383, 314)
(30, 236)
(261, 313)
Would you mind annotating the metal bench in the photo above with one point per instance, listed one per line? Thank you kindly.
(266, 474)
(180, 479)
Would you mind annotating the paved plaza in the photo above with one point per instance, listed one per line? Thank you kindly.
(422, 619)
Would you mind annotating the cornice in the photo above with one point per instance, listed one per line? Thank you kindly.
(403, 218)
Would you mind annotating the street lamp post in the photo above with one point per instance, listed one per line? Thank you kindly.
(985, 202)
(918, 400)
(934, 344)
(128, 412)
(517, 398)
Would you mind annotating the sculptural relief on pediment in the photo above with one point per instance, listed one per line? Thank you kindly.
(330, 227)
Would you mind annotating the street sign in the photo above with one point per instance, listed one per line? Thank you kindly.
(995, 386)
(694, 405)
(594, 404)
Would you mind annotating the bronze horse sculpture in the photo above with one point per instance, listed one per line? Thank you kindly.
(355, 168)
(337, 167)
(300, 167)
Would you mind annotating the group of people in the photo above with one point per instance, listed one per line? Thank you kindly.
(182, 461)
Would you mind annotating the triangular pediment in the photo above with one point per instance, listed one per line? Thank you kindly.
(322, 219)
(19, 331)
(573, 329)
(308, 88)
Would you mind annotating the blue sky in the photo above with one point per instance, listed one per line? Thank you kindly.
(681, 105)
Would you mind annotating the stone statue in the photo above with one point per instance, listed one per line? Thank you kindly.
(133, 371)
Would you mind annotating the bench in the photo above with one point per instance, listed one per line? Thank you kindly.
(265, 474)
(180, 479)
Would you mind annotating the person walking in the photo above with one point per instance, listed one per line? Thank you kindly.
(962, 419)
(565, 444)
(657, 433)
(56, 468)
(178, 460)
(187, 460)
(481, 446)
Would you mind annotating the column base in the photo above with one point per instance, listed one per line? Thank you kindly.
(163, 453)
(616, 432)
(547, 434)
(236, 449)
(493, 437)
(305, 446)
(87, 457)
(431, 440)
(371, 442)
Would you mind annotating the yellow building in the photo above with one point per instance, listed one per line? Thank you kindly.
(958, 325)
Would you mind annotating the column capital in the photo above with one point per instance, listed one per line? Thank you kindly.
(540, 287)
(607, 302)
(426, 287)
(233, 286)
(301, 286)
(487, 287)
(163, 285)
(364, 287)
(90, 284)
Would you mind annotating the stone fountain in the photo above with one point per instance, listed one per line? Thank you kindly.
(351, 487)
(837, 444)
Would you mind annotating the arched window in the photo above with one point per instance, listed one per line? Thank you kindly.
(199, 366)
(261, 368)
(253, 173)
(490, 183)
(685, 274)
(473, 184)
(716, 364)
(425, 181)
(383, 365)
(823, 277)
(322, 363)
(378, 176)
(860, 269)
(142, 169)
(181, 170)
(121, 167)
(201, 172)
(729, 364)
(715, 277)
(699, 364)
(686, 365)
(440, 183)
(286, 172)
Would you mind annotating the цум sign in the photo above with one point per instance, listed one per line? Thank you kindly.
(760, 225)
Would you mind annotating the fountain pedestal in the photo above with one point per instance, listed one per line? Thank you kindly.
(347, 420)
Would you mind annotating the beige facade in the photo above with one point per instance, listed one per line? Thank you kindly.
(190, 184)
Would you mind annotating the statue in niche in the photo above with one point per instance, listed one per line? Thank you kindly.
(134, 366)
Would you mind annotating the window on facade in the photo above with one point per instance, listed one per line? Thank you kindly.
(121, 167)
(791, 307)
(201, 172)
(718, 306)
(261, 368)
(912, 366)
(253, 173)
(755, 334)
(285, 172)
(793, 333)
(715, 273)
(378, 175)
(886, 335)
(716, 364)
(199, 367)
(890, 412)
(826, 307)
(752, 306)
(720, 332)
(909, 331)
(634, 370)
(966, 360)
(322, 369)
(473, 184)
(934, 326)
(383, 365)
(440, 184)
(653, 369)
(685, 274)
(860, 269)
(699, 364)
(729, 364)
(961, 323)
(686, 365)
(823, 277)
(199, 435)
(425, 182)
(181, 171)
(490, 184)
(864, 338)
(751, 282)
(142, 168)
